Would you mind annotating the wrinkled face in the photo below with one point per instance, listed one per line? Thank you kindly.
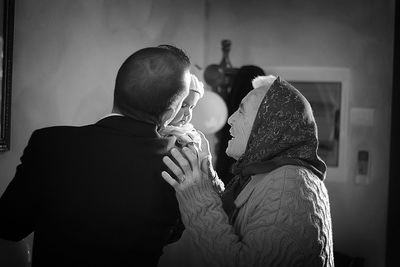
(242, 121)
(184, 115)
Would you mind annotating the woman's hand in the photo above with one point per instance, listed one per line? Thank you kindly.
(205, 157)
(188, 172)
(205, 146)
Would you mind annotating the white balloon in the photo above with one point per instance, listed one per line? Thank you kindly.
(210, 113)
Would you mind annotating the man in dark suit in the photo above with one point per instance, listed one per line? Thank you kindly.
(93, 195)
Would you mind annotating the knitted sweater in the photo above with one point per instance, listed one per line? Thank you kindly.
(283, 220)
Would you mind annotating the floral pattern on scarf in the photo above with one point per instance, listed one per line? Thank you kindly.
(284, 128)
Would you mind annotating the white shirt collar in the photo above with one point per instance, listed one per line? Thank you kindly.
(111, 114)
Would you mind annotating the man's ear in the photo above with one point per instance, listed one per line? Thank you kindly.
(167, 117)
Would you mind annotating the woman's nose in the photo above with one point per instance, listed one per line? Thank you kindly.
(231, 119)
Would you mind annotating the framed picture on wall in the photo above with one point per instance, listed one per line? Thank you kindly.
(327, 91)
(325, 98)
(6, 44)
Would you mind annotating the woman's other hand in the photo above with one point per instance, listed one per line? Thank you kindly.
(188, 171)
(205, 146)
(205, 157)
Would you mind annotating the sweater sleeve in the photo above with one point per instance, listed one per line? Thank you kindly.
(286, 226)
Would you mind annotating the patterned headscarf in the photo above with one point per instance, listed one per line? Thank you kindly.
(284, 132)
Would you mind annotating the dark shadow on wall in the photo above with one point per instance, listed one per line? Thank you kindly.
(393, 219)
(343, 260)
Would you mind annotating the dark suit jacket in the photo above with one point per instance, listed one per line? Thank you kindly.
(93, 195)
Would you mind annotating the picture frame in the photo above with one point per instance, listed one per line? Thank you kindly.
(6, 53)
(327, 90)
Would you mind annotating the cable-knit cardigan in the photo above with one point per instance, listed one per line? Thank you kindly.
(283, 220)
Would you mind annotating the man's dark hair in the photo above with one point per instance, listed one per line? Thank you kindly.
(150, 81)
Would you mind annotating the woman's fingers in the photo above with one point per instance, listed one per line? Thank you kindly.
(194, 148)
(205, 147)
(205, 165)
(187, 168)
(201, 134)
(173, 167)
(193, 160)
(169, 179)
(183, 163)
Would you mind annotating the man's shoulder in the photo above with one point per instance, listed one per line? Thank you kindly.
(59, 129)
(58, 132)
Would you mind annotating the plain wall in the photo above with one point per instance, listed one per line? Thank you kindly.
(66, 54)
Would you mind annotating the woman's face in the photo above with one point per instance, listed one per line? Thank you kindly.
(242, 121)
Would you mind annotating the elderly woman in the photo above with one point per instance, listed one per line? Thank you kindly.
(275, 211)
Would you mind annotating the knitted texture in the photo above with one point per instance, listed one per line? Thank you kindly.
(283, 220)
